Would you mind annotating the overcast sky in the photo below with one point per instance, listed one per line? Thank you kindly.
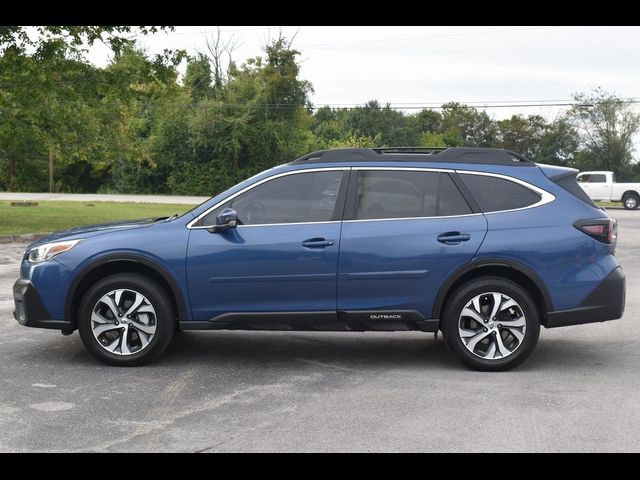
(420, 65)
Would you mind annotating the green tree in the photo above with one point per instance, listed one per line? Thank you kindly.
(606, 125)
(141, 95)
(61, 113)
(559, 144)
(75, 36)
(432, 139)
(46, 93)
(426, 121)
(198, 78)
(541, 141)
(372, 119)
(521, 134)
(466, 126)
(259, 118)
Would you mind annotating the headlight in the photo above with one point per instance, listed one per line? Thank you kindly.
(44, 252)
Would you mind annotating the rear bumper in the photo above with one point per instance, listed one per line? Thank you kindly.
(605, 302)
(29, 309)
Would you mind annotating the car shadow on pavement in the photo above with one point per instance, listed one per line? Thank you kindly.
(357, 351)
(367, 350)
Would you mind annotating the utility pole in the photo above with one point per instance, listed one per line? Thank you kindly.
(50, 169)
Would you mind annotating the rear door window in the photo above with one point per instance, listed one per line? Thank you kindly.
(597, 178)
(384, 194)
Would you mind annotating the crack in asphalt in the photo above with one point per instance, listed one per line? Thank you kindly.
(146, 427)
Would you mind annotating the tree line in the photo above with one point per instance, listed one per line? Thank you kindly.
(138, 126)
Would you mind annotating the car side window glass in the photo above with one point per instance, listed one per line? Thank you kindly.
(597, 178)
(450, 200)
(494, 194)
(295, 198)
(406, 194)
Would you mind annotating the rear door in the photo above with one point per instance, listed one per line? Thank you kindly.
(405, 231)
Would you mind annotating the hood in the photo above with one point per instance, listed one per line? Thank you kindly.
(91, 230)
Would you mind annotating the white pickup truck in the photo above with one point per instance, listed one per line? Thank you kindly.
(602, 186)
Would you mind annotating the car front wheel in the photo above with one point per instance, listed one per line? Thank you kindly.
(126, 319)
(491, 324)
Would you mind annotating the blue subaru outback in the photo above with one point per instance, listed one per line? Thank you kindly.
(481, 244)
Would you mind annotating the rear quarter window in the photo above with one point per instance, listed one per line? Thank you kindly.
(494, 194)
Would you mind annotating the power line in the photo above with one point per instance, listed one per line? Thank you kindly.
(284, 106)
(391, 106)
(444, 35)
(399, 105)
(204, 31)
(434, 105)
(374, 40)
(478, 104)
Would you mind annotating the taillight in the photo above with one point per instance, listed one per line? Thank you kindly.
(604, 230)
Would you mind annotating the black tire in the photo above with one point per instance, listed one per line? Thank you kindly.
(165, 318)
(464, 294)
(631, 202)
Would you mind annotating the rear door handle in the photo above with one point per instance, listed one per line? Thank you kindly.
(318, 243)
(453, 238)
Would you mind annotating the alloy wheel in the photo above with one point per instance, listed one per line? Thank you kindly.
(492, 325)
(123, 322)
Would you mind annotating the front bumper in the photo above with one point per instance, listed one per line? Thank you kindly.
(605, 302)
(30, 311)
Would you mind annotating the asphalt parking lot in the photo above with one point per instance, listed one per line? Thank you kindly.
(263, 391)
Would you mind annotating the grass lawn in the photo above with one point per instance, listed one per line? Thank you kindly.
(54, 216)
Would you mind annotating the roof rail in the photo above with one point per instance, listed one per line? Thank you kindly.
(311, 156)
(432, 150)
(340, 155)
(492, 156)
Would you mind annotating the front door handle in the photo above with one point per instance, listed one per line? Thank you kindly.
(453, 238)
(318, 243)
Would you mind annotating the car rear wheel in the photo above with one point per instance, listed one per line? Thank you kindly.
(491, 324)
(631, 202)
(125, 319)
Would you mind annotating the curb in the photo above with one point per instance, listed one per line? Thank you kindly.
(28, 237)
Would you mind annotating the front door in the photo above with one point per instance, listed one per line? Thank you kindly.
(283, 256)
(404, 232)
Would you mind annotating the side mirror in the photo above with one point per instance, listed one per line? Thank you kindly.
(227, 218)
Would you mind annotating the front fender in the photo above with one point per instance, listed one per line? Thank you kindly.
(146, 260)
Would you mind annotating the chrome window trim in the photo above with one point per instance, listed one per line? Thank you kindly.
(282, 224)
(545, 197)
(412, 218)
(264, 180)
(407, 169)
